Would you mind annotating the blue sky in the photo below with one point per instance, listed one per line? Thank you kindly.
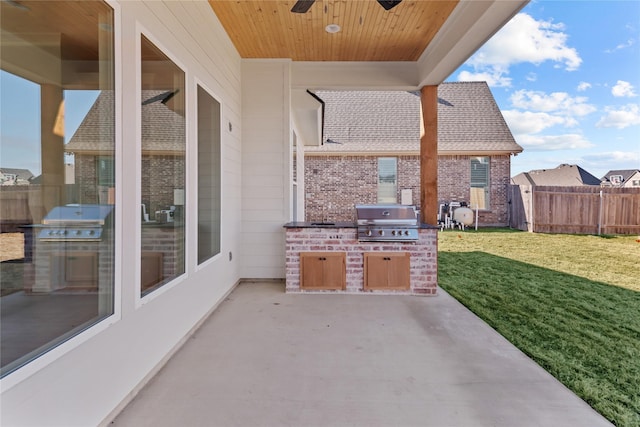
(566, 75)
(20, 120)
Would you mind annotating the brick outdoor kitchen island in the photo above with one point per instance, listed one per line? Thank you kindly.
(328, 257)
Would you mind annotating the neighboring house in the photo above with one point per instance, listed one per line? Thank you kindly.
(563, 176)
(372, 148)
(163, 151)
(627, 178)
(11, 176)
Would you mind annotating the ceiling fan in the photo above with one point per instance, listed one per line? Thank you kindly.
(302, 6)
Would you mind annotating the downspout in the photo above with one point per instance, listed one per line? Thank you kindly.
(317, 98)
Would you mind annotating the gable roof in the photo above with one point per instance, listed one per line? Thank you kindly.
(21, 174)
(564, 176)
(96, 132)
(377, 122)
(625, 173)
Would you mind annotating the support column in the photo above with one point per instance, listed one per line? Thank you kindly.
(429, 156)
(51, 147)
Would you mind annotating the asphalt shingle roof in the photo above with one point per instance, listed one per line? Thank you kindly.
(95, 133)
(469, 121)
(24, 174)
(563, 175)
(625, 173)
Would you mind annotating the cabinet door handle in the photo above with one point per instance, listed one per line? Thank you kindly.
(322, 259)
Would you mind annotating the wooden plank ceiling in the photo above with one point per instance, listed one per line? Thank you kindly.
(268, 29)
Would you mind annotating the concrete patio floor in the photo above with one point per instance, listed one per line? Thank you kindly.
(266, 358)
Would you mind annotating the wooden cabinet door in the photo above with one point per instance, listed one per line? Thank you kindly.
(387, 271)
(323, 270)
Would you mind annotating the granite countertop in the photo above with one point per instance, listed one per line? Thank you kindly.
(337, 224)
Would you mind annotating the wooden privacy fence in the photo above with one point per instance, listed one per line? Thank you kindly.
(575, 210)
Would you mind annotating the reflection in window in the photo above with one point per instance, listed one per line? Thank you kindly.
(56, 116)
(163, 169)
(387, 180)
(208, 176)
(480, 182)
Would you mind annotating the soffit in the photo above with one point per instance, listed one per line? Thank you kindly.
(268, 29)
(67, 32)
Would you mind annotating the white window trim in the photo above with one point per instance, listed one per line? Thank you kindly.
(141, 300)
(50, 356)
(192, 179)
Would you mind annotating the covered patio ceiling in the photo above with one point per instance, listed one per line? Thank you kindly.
(368, 32)
(413, 44)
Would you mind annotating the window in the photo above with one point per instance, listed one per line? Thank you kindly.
(105, 171)
(208, 176)
(387, 180)
(163, 169)
(57, 114)
(479, 195)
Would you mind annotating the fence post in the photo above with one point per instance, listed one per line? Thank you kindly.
(533, 213)
(600, 215)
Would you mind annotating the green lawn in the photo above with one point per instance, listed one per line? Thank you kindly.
(572, 303)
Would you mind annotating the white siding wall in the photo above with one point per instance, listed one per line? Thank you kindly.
(83, 381)
(266, 166)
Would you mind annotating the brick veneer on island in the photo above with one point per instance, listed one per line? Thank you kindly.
(342, 237)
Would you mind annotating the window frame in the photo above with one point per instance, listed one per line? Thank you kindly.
(379, 179)
(200, 85)
(487, 182)
(141, 31)
(52, 354)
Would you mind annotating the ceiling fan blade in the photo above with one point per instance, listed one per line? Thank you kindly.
(389, 4)
(302, 6)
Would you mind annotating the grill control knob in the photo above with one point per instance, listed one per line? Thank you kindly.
(78, 232)
(91, 232)
(369, 233)
(394, 232)
(381, 232)
(406, 232)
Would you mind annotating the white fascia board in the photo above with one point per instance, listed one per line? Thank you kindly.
(354, 75)
(306, 112)
(469, 27)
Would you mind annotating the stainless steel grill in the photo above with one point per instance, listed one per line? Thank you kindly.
(75, 223)
(387, 223)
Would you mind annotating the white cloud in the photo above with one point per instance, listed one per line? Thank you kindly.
(523, 39)
(620, 117)
(570, 141)
(614, 157)
(493, 79)
(529, 122)
(623, 89)
(600, 163)
(559, 102)
(582, 86)
(621, 46)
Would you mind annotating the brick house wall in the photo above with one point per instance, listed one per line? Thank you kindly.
(167, 173)
(333, 184)
(86, 179)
